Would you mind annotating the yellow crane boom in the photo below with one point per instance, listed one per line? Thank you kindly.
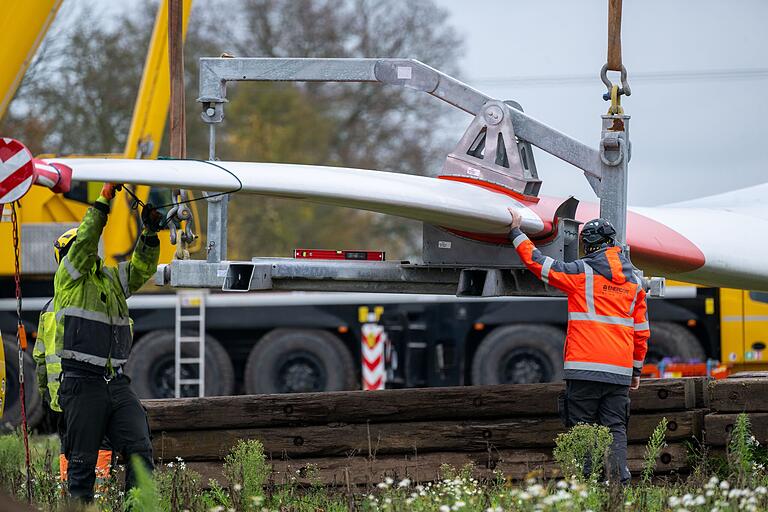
(23, 26)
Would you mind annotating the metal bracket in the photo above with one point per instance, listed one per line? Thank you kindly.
(488, 151)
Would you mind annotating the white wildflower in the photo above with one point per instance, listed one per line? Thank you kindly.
(444, 508)
(408, 501)
(381, 485)
(237, 487)
(524, 496)
(725, 485)
(387, 500)
(460, 504)
(405, 482)
(761, 490)
(673, 501)
(699, 500)
(562, 484)
(372, 497)
(389, 481)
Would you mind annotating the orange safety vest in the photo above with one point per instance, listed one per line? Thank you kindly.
(608, 325)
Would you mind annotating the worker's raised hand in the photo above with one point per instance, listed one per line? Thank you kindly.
(517, 219)
(108, 191)
(152, 218)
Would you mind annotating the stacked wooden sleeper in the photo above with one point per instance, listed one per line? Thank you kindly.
(361, 437)
(730, 397)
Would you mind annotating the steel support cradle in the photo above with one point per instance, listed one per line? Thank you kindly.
(495, 148)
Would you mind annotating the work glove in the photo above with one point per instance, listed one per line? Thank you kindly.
(108, 190)
(152, 218)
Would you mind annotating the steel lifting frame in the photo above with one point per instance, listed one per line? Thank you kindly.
(472, 268)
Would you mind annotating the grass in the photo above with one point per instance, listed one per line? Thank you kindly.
(737, 481)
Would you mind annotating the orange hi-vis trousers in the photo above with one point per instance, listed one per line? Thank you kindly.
(103, 465)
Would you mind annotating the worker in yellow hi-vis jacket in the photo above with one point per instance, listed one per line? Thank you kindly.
(93, 340)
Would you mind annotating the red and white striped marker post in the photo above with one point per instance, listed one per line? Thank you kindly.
(16, 170)
(373, 340)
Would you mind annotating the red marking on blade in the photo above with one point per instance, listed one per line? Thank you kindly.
(492, 186)
(654, 245)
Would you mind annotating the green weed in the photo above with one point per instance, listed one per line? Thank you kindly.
(656, 443)
(582, 451)
(741, 448)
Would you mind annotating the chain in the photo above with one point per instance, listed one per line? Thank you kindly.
(21, 342)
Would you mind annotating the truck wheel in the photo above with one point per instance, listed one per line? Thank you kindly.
(151, 369)
(673, 340)
(299, 361)
(33, 402)
(519, 354)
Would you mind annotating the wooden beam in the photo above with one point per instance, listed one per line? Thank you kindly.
(374, 439)
(452, 403)
(739, 395)
(718, 427)
(358, 470)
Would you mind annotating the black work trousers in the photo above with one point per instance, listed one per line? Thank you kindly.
(604, 404)
(94, 408)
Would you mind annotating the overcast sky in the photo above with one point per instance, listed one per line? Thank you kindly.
(698, 72)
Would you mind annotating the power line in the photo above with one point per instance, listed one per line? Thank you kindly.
(712, 75)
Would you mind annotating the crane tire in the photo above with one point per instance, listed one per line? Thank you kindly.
(151, 369)
(519, 354)
(300, 360)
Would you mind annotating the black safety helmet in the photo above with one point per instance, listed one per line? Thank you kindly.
(596, 233)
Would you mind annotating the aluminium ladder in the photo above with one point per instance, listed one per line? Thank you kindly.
(190, 331)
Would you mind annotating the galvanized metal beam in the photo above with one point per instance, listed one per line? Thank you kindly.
(409, 73)
(366, 277)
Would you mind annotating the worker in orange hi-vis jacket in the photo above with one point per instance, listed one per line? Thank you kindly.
(607, 330)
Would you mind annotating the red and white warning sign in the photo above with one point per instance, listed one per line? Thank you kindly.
(374, 339)
(16, 170)
(374, 372)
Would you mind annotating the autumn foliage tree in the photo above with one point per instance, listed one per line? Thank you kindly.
(78, 98)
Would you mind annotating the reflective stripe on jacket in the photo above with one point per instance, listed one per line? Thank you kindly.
(91, 312)
(48, 367)
(608, 324)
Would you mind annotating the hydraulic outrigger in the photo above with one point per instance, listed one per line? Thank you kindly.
(495, 150)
